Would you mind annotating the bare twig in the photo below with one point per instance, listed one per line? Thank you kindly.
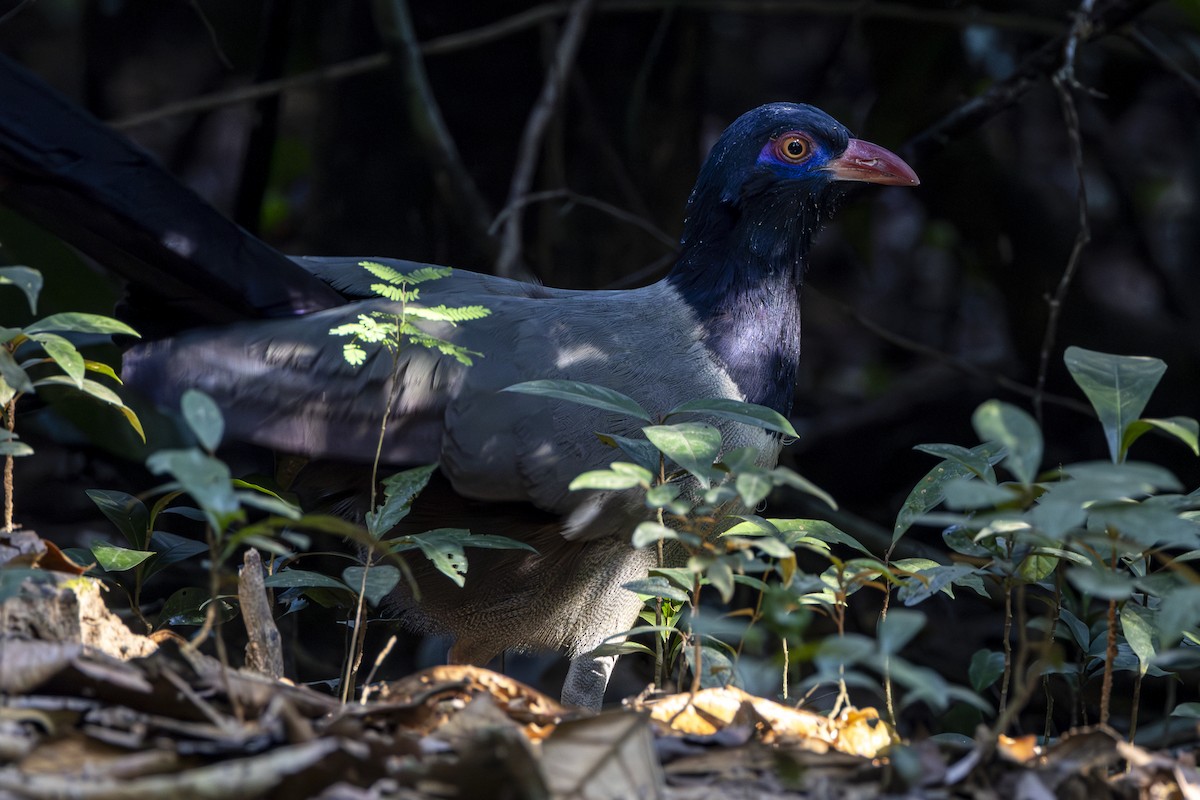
(956, 362)
(592, 202)
(1064, 80)
(17, 9)
(246, 94)
(1046, 60)
(530, 18)
(454, 184)
(535, 130)
(1164, 61)
(212, 36)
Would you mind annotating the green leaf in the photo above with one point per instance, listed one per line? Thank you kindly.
(444, 549)
(692, 445)
(27, 279)
(304, 579)
(603, 480)
(1187, 710)
(100, 392)
(12, 374)
(78, 322)
(716, 670)
(1100, 583)
(753, 487)
(1139, 633)
(125, 511)
(381, 579)
(738, 411)
(1185, 429)
(1148, 525)
(657, 586)
(720, 575)
(399, 491)
(787, 477)
(118, 559)
(969, 494)
(1118, 387)
(1016, 432)
(171, 549)
(205, 478)
(794, 531)
(986, 668)
(639, 451)
(977, 460)
(101, 368)
(203, 418)
(588, 394)
(648, 533)
(64, 354)
(1179, 612)
(936, 579)
(898, 628)
(188, 606)
(930, 490)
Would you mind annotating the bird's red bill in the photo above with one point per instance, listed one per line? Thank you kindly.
(870, 163)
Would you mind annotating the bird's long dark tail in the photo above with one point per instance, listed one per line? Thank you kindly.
(91, 187)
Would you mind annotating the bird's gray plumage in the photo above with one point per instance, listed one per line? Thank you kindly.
(724, 323)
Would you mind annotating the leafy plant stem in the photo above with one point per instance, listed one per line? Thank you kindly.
(1007, 677)
(358, 635)
(1133, 712)
(660, 668)
(1110, 650)
(10, 422)
(697, 667)
(888, 695)
(1110, 655)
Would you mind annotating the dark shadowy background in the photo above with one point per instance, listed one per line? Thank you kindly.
(919, 304)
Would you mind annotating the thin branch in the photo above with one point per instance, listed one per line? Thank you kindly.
(212, 36)
(17, 9)
(245, 94)
(509, 26)
(1164, 61)
(592, 202)
(960, 364)
(535, 130)
(1064, 81)
(454, 184)
(1108, 16)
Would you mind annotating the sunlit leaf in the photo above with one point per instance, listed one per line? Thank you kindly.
(1185, 429)
(203, 417)
(1138, 628)
(588, 394)
(1015, 431)
(78, 322)
(1118, 387)
(692, 445)
(27, 279)
(738, 411)
(118, 559)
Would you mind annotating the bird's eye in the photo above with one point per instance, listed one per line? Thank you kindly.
(793, 147)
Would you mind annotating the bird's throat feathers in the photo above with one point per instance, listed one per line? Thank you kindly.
(740, 269)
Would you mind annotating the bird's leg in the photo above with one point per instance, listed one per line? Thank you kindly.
(587, 679)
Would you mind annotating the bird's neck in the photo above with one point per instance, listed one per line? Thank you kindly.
(741, 274)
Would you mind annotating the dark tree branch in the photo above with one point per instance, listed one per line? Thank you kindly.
(454, 183)
(507, 263)
(1064, 81)
(1164, 61)
(1107, 17)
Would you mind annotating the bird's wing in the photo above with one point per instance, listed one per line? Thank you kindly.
(284, 384)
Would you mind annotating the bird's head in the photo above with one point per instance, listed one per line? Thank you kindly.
(771, 180)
